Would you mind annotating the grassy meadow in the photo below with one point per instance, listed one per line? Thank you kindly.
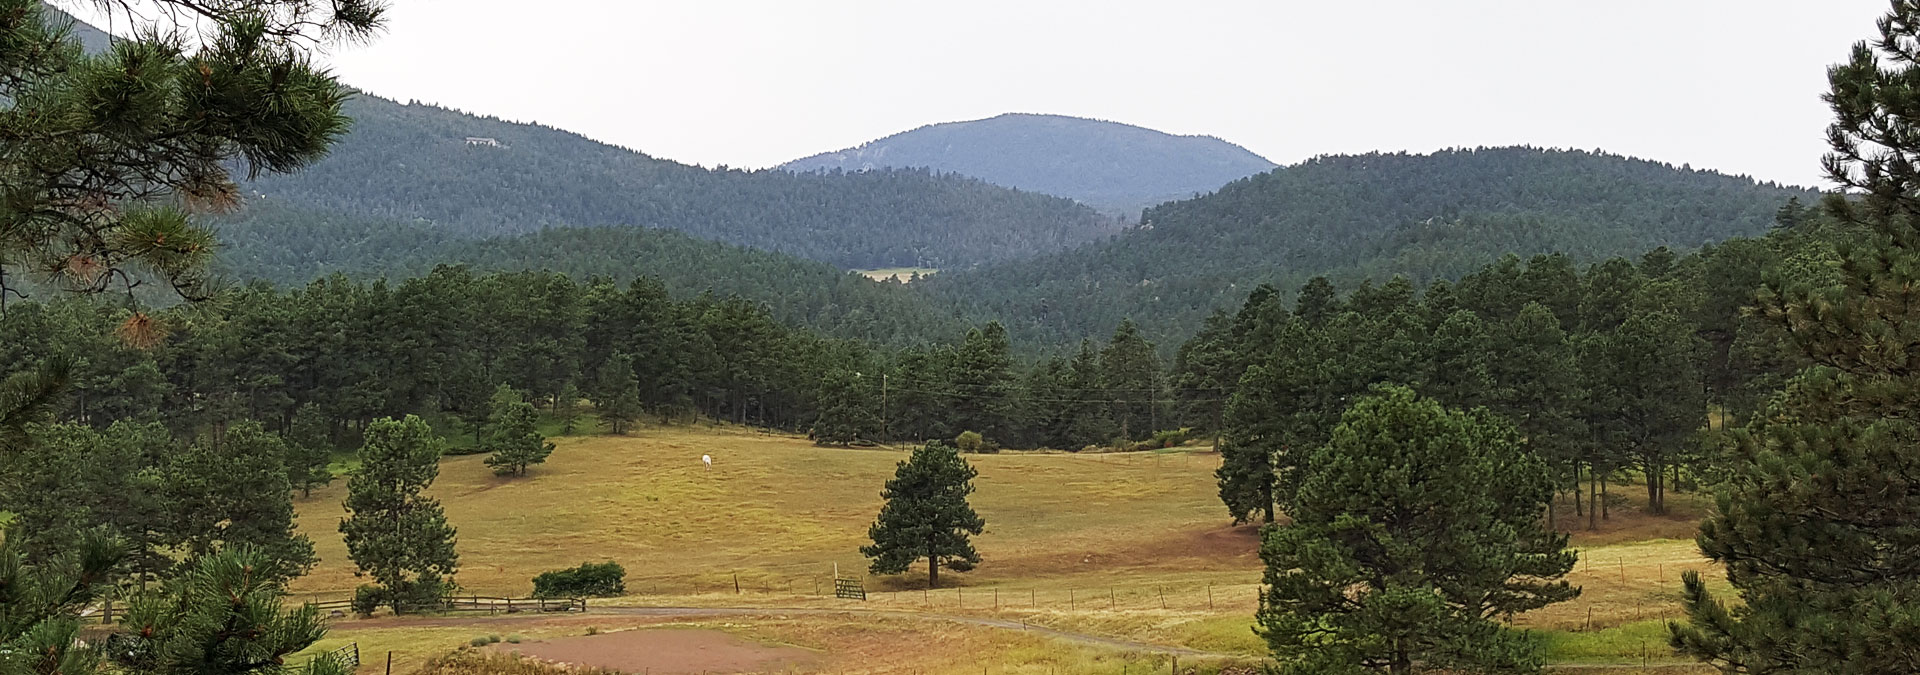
(1126, 545)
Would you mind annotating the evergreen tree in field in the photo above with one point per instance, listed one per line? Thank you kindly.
(982, 382)
(309, 450)
(619, 394)
(566, 408)
(1817, 520)
(1085, 414)
(850, 412)
(394, 532)
(512, 434)
(1414, 529)
(234, 492)
(106, 155)
(1130, 375)
(224, 616)
(926, 515)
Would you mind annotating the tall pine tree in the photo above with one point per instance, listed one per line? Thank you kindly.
(1818, 519)
(1413, 529)
(394, 532)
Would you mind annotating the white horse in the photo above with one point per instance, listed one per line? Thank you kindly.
(707, 460)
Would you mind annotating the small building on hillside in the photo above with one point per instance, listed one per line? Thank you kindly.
(483, 141)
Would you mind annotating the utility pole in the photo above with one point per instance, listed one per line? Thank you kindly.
(884, 439)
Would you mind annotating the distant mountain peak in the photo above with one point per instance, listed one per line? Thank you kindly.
(1110, 165)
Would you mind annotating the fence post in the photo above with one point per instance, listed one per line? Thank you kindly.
(996, 599)
(736, 583)
(1209, 597)
(1071, 603)
(1163, 598)
(106, 612)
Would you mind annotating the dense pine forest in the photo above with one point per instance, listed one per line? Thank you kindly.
(1353, 218)
(413, 162)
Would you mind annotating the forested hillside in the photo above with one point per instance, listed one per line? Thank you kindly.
(1367, 216)
(414, 161)
(1115, 167)
(292, 247)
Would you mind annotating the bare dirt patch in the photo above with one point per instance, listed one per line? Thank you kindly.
(666, 651)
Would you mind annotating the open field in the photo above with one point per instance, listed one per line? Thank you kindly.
(904, 274)
(1131, 546)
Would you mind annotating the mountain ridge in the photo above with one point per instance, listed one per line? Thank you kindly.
(1113, 166)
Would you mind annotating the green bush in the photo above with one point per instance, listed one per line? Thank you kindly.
(368, 598)
(589, 580)
(513, 639)
(972, 441)
(478, 642)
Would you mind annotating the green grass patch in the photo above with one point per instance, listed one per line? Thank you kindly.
(1637, 642)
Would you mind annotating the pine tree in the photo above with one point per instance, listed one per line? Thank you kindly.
(566, 408)
(1413, 529)
(309, 450)
(1536, 386)
(224, 616)
(1317, 303)
(1817, 521)
(151, 128)
(394, 532)
(1458, 374)
(41, 601)
(234, 493)
(512, 434)
(619, 394)
(850, 411)
(982, 382)
(926, 515)
(1130, 376)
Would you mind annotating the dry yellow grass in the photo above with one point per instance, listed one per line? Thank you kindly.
(776, 509)
(1130, 545)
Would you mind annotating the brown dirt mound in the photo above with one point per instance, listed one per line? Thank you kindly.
(666, 652)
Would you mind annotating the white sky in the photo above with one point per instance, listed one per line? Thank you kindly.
(1731, 85)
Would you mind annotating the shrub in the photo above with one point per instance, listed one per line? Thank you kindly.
(589, 580)
(513, 639)
(972, 441)
(368, 598)
(478, 642)
(492, 639)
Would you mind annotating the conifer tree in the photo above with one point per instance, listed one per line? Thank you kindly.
(619, 394)
(1458, 374)
(1536, 386)
(224, 616)
(566, 407)
(108, 155)
(1317, 303)
(1817, 520)
(1130, 376)
(309, 450)
(850, 411)
(41, 600)
(233, 493)
(1413, 529)
(394, 532)
(982, 382)
(1087, 417)
(926, 515)
(512, 434)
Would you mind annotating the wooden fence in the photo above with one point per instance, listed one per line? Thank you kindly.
(109, 611)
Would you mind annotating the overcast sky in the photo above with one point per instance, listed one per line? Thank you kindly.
(1731, 85)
